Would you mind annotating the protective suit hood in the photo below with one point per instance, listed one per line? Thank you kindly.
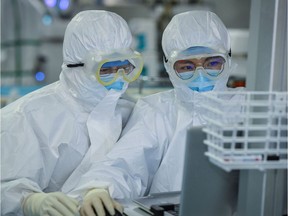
(91, 30)
(191, 29)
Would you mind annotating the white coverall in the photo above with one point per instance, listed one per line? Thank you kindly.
(46, 134)
(149, 156)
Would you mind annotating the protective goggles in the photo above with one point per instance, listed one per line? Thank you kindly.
(211, 64)
(109, 67)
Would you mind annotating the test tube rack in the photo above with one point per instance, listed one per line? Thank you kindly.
(246, 130)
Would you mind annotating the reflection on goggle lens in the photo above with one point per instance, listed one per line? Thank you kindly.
(212, 65)
(127, 69)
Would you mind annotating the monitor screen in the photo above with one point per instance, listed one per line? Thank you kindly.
(206, 188)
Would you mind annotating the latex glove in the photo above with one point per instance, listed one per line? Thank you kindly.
(96, 200)
(56, 204)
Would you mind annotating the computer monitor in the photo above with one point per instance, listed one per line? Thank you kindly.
(206, 189)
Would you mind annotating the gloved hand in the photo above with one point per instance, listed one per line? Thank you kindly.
(96, 200)
(56, 204)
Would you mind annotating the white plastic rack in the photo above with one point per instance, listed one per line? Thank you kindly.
(246, 130)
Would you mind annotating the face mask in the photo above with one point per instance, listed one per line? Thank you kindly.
(117, 85)
(201, 83)
(204, 89)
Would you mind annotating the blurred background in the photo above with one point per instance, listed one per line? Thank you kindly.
(32, 33)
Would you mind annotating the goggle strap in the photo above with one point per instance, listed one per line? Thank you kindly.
(229, 53)
(165, 59)
(75, 65)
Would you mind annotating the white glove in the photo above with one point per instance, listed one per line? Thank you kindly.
(56, 204)
(96, 201)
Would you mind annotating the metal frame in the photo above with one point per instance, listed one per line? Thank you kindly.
(265, 193)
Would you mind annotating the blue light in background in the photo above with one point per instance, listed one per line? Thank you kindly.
(40, 76)
(50, 3)
(47, 19)
(64, 4)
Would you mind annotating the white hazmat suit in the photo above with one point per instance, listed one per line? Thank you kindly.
(46, 134)
(149, 156)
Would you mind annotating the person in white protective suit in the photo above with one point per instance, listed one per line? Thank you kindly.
(46, 134)
(149, 156)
